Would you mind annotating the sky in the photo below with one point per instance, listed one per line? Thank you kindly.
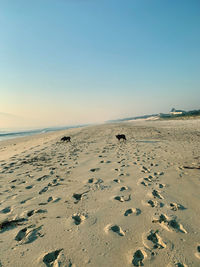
(67, 62)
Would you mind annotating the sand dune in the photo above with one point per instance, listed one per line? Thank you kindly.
(100, 202)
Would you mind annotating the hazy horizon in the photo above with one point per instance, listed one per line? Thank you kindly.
(74, 62)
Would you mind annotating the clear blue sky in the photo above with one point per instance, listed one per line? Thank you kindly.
(77, 61)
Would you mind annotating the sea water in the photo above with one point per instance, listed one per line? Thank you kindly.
(14, 133)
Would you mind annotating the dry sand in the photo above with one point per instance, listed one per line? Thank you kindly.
(100, 202)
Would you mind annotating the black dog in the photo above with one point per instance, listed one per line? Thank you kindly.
(66, 138)
(121, 136)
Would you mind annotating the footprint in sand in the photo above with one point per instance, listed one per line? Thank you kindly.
(50, 199)
(161, 185)
(6, 210)
(117, 181)
(176, 226)
(13, 181)
(156, 194)
(78, 218)
(31, 212)
(26, 236)
(29, 187)
(78, 196)
(170, 224)
(138, 257)
(21, 234)
(143, 183)
(162, 219)
(50, 258)
(176, 206)
(149, 178)
(154, 241)
(152, 203)
(132, 211)
(43, 190)
(54, 183)
(197, 253)
(91, 180)
(122, 198)
(160, 173)
(117, 229)
(25, 200)
(124, 165)
(53, 199)
(95, 181)
(145, 169)
(94, 169)
(124, 174)
(123, 188)
(10, 224)
(42, 178)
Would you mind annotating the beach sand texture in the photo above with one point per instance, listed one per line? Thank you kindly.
(100, 202)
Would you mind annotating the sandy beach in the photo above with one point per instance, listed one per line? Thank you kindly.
(100, 202)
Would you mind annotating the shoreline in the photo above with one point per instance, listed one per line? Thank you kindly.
(33, 140)
(6, 135)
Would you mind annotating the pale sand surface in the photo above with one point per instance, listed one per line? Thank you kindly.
(138, 205)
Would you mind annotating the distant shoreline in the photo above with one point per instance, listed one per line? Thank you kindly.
(5, 135)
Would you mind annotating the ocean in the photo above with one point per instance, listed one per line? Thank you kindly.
(9, 134)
